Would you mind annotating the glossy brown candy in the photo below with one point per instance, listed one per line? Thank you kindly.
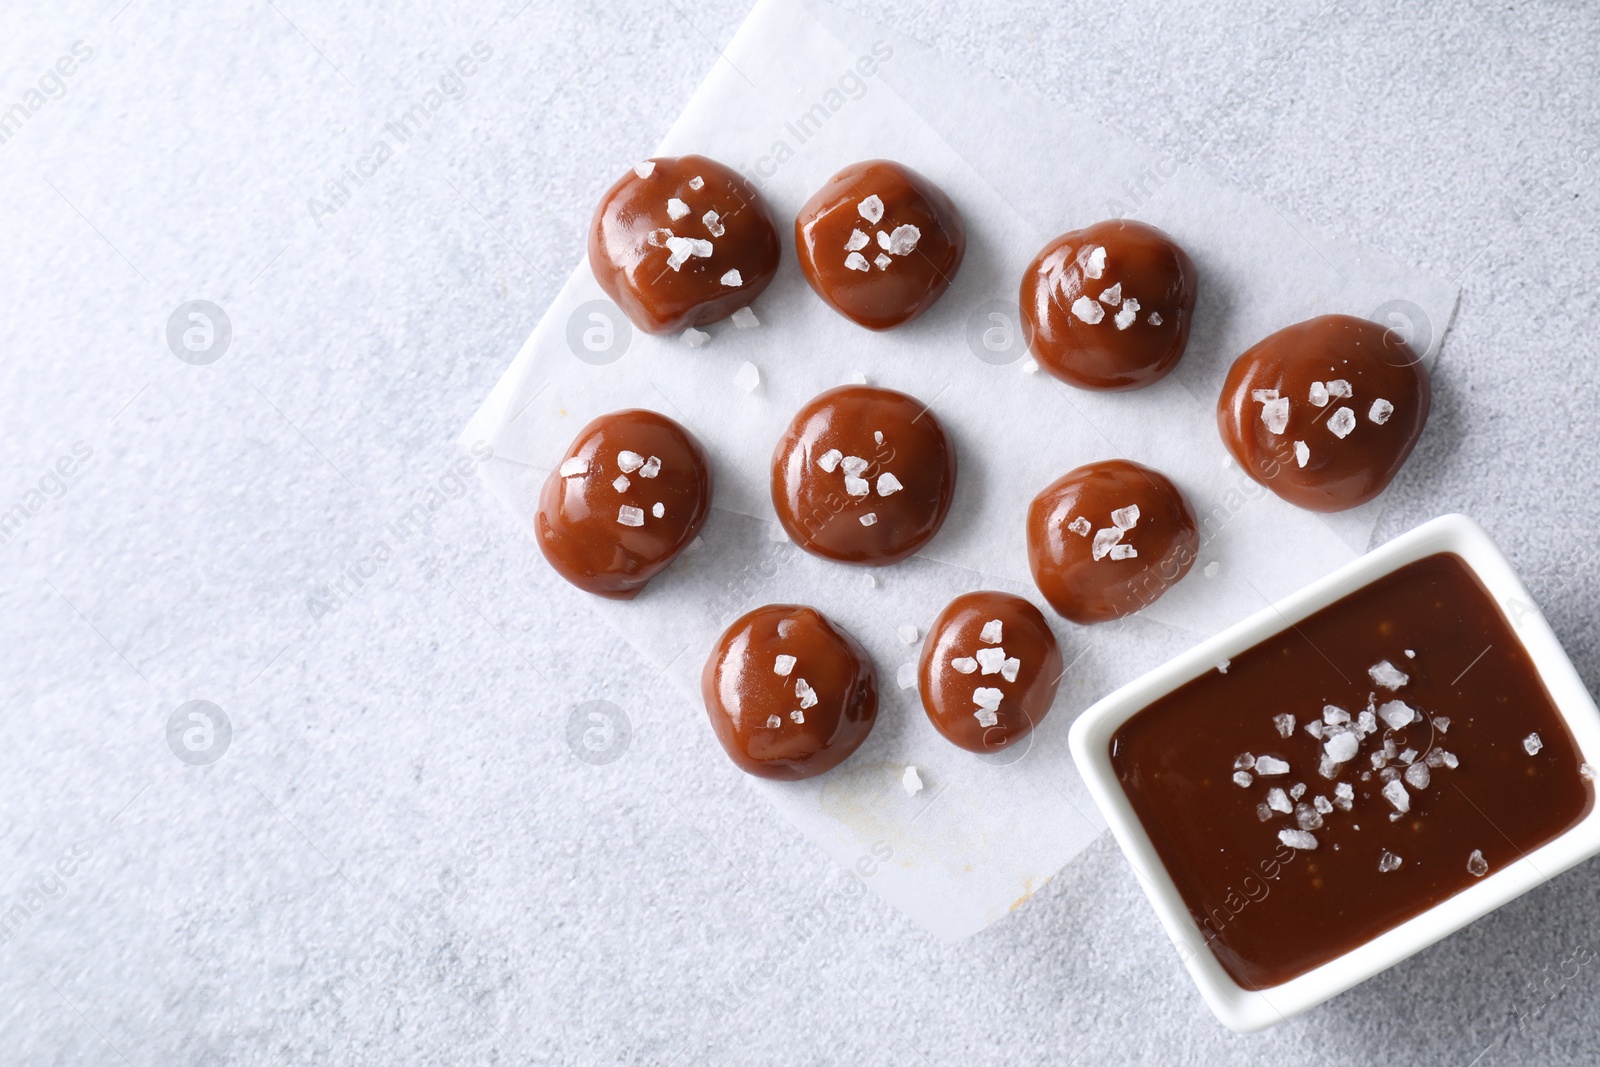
(989, 670)
(863, 475)
(1109, 538)
(1325, 412)
(1109, 306)
(880, 243)
(680, 241)
(628, 496)
(789, 694)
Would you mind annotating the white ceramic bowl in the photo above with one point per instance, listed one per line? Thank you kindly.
(1245, 1010)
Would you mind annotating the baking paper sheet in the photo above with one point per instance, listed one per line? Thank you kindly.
(803, 90)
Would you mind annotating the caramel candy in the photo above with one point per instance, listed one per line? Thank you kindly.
(880, 243)
(989, 671)
(1109, 538)
(629, 495)
(863, 475)
(1325, 412)
(1109, 306)
(789, 694)
(682, 241)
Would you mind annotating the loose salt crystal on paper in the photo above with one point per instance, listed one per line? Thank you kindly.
(1298, 839)
(908, 634)
(773, 722)
(1112, 296)
(1242, 779)
(1080, 526)
(1418, 776)
(986, 697)
(650, 468)
(1395, 793)
(856, 486)
(1344, 795)
(645, 169)
(1284, 723)
(992, 632)
(1030, 366)
(658, 509)
(829, 460)
(1477, 866)
(1341, 422)
(1088, 310)
(713, 223)
(986, 717)
(1341, 748)
(745, 318)
(630, 516)
(695, 338)
(1389, 862)
(857, 261)
(1095, 265)
(888, 484)
(1009, 669)
(911, 782)
(574, 466)
(806, 694)
(853, 466)
(857, 378)
(1103, 540)
(1380, 411)
(782, 665)
(1302, 453)
(1587, 772)
(906, 675)
(1275, 414)
(1270, 766)
(857, 241)
(883, 261)
(798, 716)
(1124, 552)
(1154, 319)
(1212, 569)
(1532, 744)
(1129, 312)
(869, 519)
(676, 209)
(733, 279)
(1125, 518)
(1261, 396)
(1388, 675)
(628, 462)
(964, 664)
(1397, 715)
(1278, 800)
(990, 660)
(904, 239)
(871, 209)
(621, 483)
(1339, 388)
(747, 377)
(1318, 394)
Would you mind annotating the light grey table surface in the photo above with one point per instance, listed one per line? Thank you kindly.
(398, 858)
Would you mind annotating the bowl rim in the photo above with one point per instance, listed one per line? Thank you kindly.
(1247, 1010)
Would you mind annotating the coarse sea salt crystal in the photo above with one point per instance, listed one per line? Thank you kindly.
(798, 716)
(871, 209)
(733, 279)
(987, 697)
(993, 632)
(1441, 723)
(1314, 728)
(1212, 569)
(906, 675)
(1080, 526)
(869, 519)
(908, 634)
(1298, 839)
(658, 509)
(853, 466)
(630, 516)
(903, 241)
(697, 182)
(1341, 422)
(1298, 791)
(1154, 319)
(773, 722)
(645, 169)
(857, 261)
(621, 483)
(1279, 801)
(857, 241)
(782, 665)
(1418, 776)
(1263, 812)
(1307, 817)
(877, 436)
(1244, 761)
(888, 484)
(1532, 744)
(747, 377)
(1242, 779)
(1009, 669)
(911, 782)
(986, 717)
(1302, 453)
(1587, 772)
(650, 468)
(1088, 310)
(1261, 396)
(806, 694)
(882, 261)
(1395, 793)
(1103, 540)
(745, 318)
(964, 664)
(628, 462)
(1344, 795)
(1341, 748)
(990, 660)
(676, 209)
(1387, 674)
(883, 240)
(856, 486)
(1477, 866)
(1322, 804)
(1338, 387)
(1318, 394)
(574, 466)
(1126, 316)
(681, 248)
(1380, 411)
(1223, 665)
(1334, 715)
(1095, 264)
(1125, 518)
(695, 338)
(713, 224)
(829, 460)
(1112, 296)
(1275, 414)
(1389, 862)
(1397, 715)
(1284, 724)
(1270, 766)
(1030, 366)
(1120, 551)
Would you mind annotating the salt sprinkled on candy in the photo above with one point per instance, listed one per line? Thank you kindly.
(986, 697)
(990, 660)
(829, 460)
(1244, 761)
(1388, 675)
(1307, 818)
(871, 209)
(964, 664)
(1087, 310)
(906, 675)
(856, 486)
(1389, 862)
(904, 239)
(1322, 804)
(1298, 791)
(877, 436)
(1270, 766)
(888, 484)
(1124, 552)
(1314, 728)
(659, 238)
(869, 519)
(1154, 319)
(1009, 669)
(748, 376)
(1284, 723)
(1263, 813)
(911, 782)
(1338, 387)
(1242, 779)
(1342, 422)
(695, 338)
(853, 466)
(621, 483)
(1334, 715)
(1341, 748)
(773, 722)
(1126, 518)
(857, 242)
(1095, 265)
(1418, 776)
(713, 223)
(574, 466)
(645, 169)
(1302, 453)
(1212, 569)
(883, 240)
(1532, 743)
(630, 516)
(986, 717)
(1112, 296)
(676, 209)
(1278, 800)
(1318, 394)
(883, 261)
(857, 261)
(1587, 772)
(1380, 411)
(1344, 795)
(1397, 715)
(1275, 413)
(658, 509)
(782, 665)
(798, 716)
(1080, 526)
(1477, 866)
(733, 279)
(1395, 793)
(992, 632)
(1103, 540)
(1129, 312)
(628, 462)
(807, 695)
(651, 467)
(697, 182)
(1410, 654)
(908, 634)
(1298, 839)
(681, 248)
(1261, 396)
(1408, 756)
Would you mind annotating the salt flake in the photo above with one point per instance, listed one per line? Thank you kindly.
(1088, 310)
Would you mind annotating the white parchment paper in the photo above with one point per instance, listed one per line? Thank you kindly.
(803, 90)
